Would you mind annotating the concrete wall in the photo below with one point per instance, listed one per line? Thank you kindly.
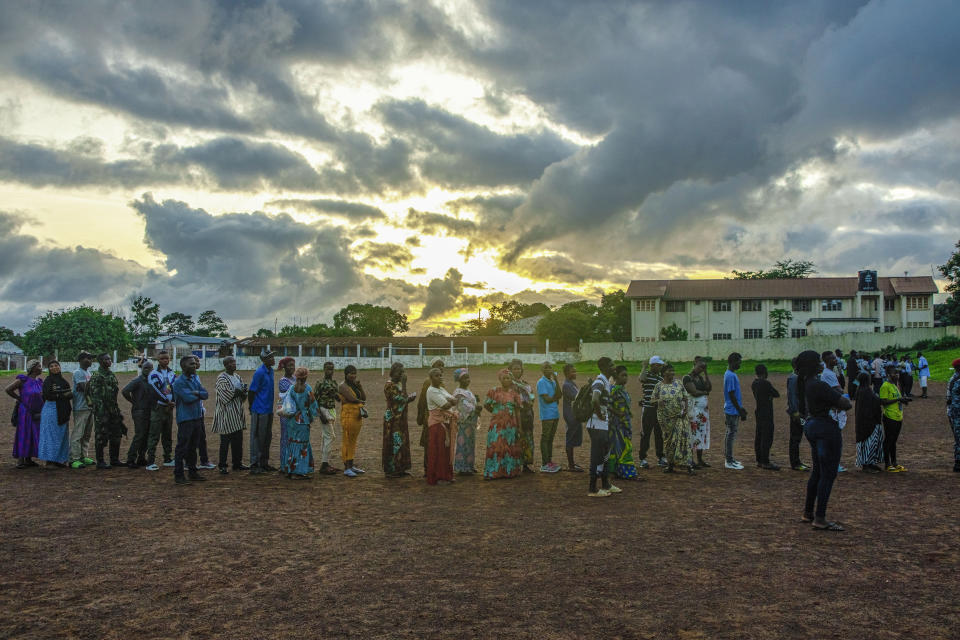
(764, 349)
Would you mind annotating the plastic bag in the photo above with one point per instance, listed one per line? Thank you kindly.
(288, 407)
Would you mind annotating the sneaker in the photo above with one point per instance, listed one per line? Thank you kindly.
(770, 466)
(180, 480)
(89, 462)
(602, 493)
(357, 470)
(662, 462)
(644, 464)
(901, 468)
(77, 464)
(103, 465)
(223, 471)
(733, 465)
(350, 473)
(614, 489)
(800, 467)
(893, 469)
(168, 463)
(841, 468)
(152, 467)
(550, 467)
(207, 465)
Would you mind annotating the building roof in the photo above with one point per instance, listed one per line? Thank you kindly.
(194, 339)
(814, 288)
(8, 348)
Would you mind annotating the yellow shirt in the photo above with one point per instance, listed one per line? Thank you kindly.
(889, 391)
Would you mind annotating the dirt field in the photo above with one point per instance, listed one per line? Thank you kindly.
(120, 553)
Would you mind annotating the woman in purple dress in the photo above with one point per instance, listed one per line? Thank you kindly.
(27, 390)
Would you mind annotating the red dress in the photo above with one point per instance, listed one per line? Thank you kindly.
(442, 425)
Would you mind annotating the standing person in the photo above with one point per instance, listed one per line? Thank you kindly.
(877, 366)
(953, 411)
(395, 457)
(816, 399)
(868, 421)
(853, 373)
(161, 413)
(300, 408)
(504, 457)
(468, 408)
(796, 423)
(906, 377)
(733, 411)
(829, 375)
(422, 414)
(108, 421)
(82, 415)
(574, 436)
(598, 426)
(526, 413)
(548, 395)
(54, 439)
(670, 398)
(27, 390)
(260, 399)
(142, 398)
(327, 392)
(443, 424)
(923, 370)
(352, 413)
(649, 378)
(189, 394)
(288, 365)
(620, 431)
(698, 387)
(229, 418)
(892, 403)
(764, 393)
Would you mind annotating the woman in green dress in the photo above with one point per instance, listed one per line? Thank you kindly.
(670, 398)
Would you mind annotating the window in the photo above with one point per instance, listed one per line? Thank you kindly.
(751, 305)
(800, 305)
(876, 329)
(889, 328)
(645, 339)
(696, 336)
(917, 325)
(676, 306)
(798, 333)
(888, 304)
(722, 336)
(721, 305)
(831, 305)
(752, 334)
(647, 304)
(915, 303)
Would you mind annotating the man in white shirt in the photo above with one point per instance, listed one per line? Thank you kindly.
(923, 369)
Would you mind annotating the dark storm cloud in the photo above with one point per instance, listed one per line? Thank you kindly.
(440, 224)
(561, 268)
(341, 208)
(385, 254)
(446, 295)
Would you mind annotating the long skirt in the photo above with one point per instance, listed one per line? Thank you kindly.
(464, 457)
(620, 463)
(395, 456)
(699, 423)
(526, 436)
(54, 440)
(351, 422)
(676, 438)
(438, 455)
(27, 437)
(870, 451)
(284, 425)
(298, 454)
(504, 452)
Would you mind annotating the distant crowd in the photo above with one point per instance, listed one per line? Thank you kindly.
(674, 414)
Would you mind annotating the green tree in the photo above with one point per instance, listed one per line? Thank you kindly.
(143, 323)
(177, 322)
(580, 305)
(779, 321)
(510, 310)
(7, 335)
(566, 326)
(211, 324)
(782, 269)
(319, 330)
(370, 320)
(613, 317)
(83, 327)
(265, 333)
(673, 333)
(949, 312)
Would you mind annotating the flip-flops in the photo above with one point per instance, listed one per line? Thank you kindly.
(576, 468)
(831, 526)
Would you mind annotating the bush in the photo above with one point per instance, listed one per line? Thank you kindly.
(943, 344)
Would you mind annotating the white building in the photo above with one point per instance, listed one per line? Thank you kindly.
(728, 309)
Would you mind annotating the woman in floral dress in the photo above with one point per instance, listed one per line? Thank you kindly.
(469, 409)
(395, 457)
(670, 398)
(620, 463)
(504, 450)
(698, 387)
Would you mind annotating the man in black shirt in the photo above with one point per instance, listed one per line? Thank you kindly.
(764, 393)
(140, 395)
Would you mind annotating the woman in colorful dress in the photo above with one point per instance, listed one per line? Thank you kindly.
(300, 408)
(525, 390)
(352, 413)
(868, 418)
(288, 365)
(698, 386)
(504, 450)
(670, 398)
(27, 390)
(620, 463)
(468, 407)
(395, 458)
(54, 440)
(441, 406)
(229, 419)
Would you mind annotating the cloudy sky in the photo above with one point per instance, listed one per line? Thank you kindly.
(278, 160)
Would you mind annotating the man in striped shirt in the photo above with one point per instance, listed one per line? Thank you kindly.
(648, 419)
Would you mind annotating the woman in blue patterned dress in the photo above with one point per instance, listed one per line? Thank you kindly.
(54, 442)
(288, 365)
(300, 408)
(620, 463)
(469, 409)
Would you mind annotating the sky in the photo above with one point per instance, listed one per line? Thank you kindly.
(278, 160)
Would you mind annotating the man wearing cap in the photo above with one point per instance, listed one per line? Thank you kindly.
(260, 397)
(82, 415)
(953, 411)
(102, 393)
(648, 418)
(161, 381)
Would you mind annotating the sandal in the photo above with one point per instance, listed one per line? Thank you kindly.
(575, 468)
(807, 517)
(830, 526)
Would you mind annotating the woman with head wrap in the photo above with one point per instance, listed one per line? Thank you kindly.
(504, 449)
(395, 457)
(953, 411)
(816, 399)
(868, 418)
(442, 419)
(27, 390)
(288, 365)
(469, 409)
(300, 408)
(54, 440)
(352, 413)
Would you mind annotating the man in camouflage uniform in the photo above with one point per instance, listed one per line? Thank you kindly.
(108, 421)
